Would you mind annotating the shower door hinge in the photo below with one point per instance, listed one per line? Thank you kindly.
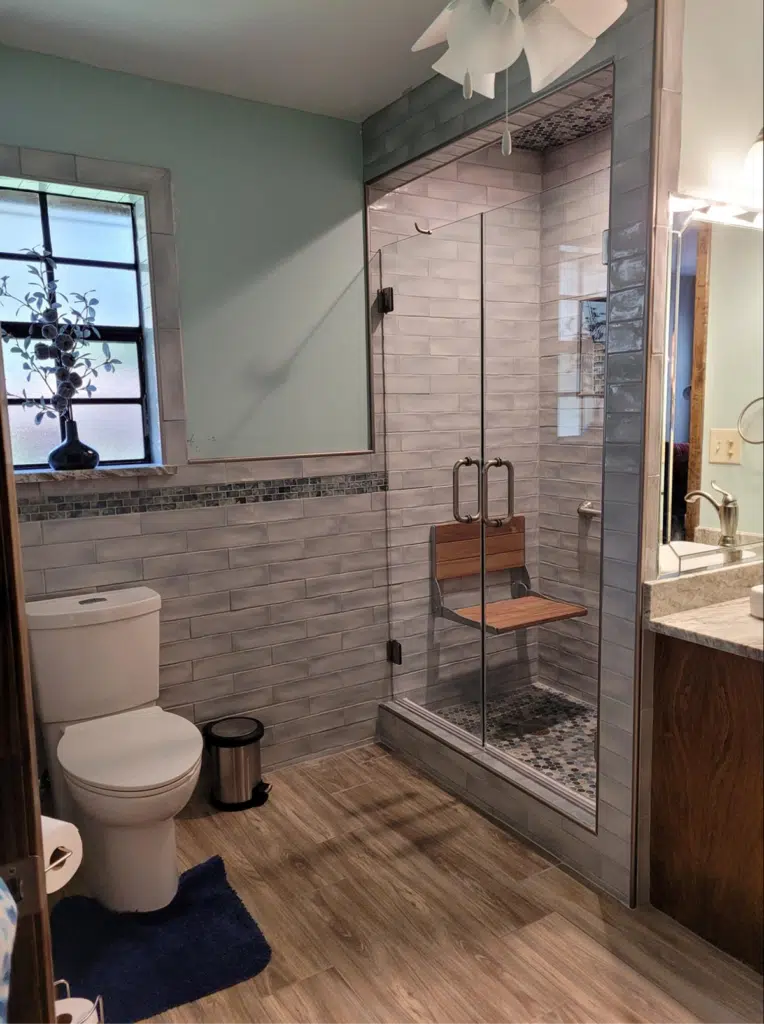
(394, 652)
(606, 246)
(386, 300)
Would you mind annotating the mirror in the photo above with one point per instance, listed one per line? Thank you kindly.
(713, 412)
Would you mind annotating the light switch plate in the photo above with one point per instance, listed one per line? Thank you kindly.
(725, 447)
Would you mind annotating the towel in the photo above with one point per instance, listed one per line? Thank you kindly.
(8, 916)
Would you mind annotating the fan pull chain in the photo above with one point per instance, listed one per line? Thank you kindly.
(506, 138)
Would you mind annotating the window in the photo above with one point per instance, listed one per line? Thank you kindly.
(94, 243)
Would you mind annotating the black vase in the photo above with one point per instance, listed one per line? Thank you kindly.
(72, 453)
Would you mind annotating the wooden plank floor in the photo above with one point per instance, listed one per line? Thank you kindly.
(386, 899)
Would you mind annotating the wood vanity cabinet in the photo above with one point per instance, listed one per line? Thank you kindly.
(707, 795)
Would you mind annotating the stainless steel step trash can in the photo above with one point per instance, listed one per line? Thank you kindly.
(234, 748)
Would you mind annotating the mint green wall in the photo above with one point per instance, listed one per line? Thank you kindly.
(268, 205)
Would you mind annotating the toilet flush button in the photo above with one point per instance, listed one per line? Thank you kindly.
(92, 600)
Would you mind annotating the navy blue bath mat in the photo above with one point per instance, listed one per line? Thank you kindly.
(144, 964)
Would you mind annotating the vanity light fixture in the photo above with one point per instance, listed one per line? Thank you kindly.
(685, 204)
(715, 212)
(754, 170)
(487, 36)
(725, 213)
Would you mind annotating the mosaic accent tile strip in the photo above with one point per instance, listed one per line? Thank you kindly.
(587, 117)
(165, 499)
(546, 730)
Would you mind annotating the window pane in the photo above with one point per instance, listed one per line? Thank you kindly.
(30, 444)
(20, 281)
(89, 230)
(116, 291)
(16, 375)
(125, 382)
(20, 224)
(115, 431)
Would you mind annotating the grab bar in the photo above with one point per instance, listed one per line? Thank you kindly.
(587, 511)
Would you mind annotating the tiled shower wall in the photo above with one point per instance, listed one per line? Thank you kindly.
(542, 254)
(432, 393)
(482, 181)
(573, 218)
(273, 601)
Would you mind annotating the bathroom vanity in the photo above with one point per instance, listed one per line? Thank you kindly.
(700, 849)
(706, 848)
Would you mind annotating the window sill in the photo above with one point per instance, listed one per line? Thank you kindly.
(43, 476)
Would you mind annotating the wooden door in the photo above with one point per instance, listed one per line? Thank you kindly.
(698, 380)
(31, 995)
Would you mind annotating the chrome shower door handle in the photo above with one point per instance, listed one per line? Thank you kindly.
(497, 464)
(466, 461)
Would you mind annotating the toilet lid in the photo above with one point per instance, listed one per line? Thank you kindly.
(136, 750)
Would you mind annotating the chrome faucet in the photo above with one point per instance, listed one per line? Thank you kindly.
(727, 510)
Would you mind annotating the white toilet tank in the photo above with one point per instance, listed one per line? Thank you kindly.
(94, 654)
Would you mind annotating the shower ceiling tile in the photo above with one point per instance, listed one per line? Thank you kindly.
(579, 109)
(589, 116)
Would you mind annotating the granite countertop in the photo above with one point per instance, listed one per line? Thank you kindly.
(728, 626)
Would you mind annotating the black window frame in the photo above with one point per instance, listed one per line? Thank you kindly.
(20, 329)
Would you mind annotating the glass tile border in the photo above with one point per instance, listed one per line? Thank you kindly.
(168, 499)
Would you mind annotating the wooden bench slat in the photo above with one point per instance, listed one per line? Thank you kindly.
(451, 552)
(457, 548)
(521, 613)
(471, 566)
(446, 532)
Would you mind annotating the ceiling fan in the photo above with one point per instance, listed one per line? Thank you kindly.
(487, 36)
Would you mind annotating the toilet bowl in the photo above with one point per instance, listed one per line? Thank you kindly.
(129, 775)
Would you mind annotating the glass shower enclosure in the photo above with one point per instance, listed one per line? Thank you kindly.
(493, 367)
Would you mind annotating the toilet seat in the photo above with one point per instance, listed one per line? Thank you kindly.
(133, 794)
(143, 752)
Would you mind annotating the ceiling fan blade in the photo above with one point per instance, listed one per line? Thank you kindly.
(451, 66)
(436, 33)
(592, 17)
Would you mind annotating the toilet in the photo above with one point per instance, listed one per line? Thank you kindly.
(120, 766)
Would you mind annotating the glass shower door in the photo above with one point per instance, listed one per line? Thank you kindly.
(432, 374)
(545, 318)
(494, 369)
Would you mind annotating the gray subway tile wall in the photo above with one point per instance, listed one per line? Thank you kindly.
(574, 215)
(275, 607)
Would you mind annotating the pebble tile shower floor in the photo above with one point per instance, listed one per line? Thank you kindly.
(546, 730)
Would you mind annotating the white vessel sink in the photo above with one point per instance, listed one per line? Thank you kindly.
(670, 555)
